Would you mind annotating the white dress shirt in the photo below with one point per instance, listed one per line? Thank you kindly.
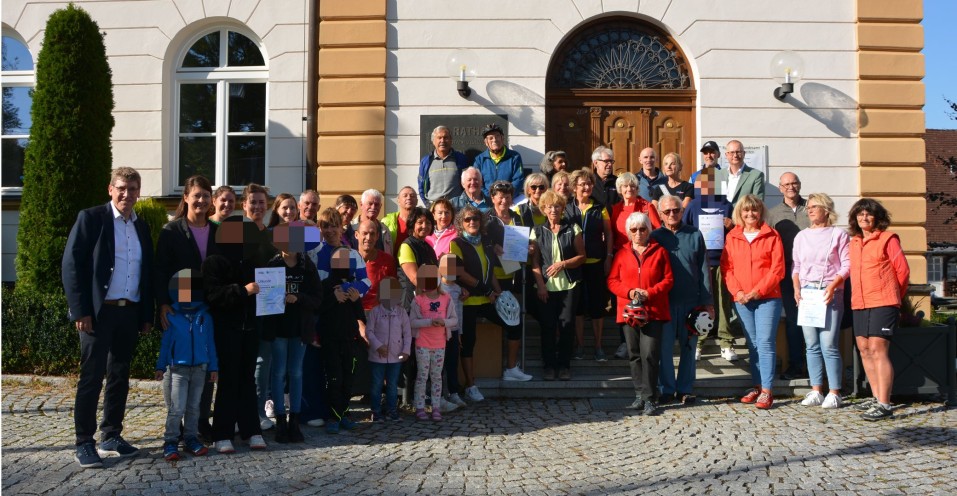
(127, 259)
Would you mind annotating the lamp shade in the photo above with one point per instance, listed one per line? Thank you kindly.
(787, 67)
(462, 65)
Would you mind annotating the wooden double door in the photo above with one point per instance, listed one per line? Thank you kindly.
(625, 121)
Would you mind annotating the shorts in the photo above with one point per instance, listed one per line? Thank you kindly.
(879, 322)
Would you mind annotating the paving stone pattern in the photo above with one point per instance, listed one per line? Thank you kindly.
(566, 446)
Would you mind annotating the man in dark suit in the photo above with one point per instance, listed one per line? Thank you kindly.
(107, 277)
(739, 179)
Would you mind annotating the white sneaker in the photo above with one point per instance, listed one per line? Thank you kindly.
(622, 351)
(455, 398)
(832, 401)
(257, 442)
(270, 409)
(697, 355)
(266, 424)
(317, 422)
(446, 406)
(225, 446)
(473, 394)
(515, 374)
(813, 398)
(729, 354)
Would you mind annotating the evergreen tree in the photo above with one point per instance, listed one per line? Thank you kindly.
(69, 158)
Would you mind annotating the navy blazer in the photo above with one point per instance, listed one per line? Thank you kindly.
(88, 264)
(176, 249)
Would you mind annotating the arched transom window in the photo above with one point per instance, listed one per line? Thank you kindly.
(221, 118)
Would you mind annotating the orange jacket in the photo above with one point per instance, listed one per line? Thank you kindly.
(879, 271)
(651, 272)
(755, 266)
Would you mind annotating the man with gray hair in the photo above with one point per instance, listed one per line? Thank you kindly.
(603, 165)
(370, 205)
(440, 171)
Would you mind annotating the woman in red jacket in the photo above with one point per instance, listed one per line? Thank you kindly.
(753, 267)
(879, 279)
(641, 272)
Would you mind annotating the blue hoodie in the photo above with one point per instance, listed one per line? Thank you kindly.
(188, 340)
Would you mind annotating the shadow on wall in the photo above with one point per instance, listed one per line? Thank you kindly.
(524, 107)
(831, 107)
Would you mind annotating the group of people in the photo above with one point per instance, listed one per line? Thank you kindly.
(404, 292)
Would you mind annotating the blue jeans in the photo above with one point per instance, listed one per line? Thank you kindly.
(388, 372)
(313, 386)
(792, 331)
(760, 320)
(263, 366)
(182, 388)
(287, 354)
(675, 329)
(823, 351)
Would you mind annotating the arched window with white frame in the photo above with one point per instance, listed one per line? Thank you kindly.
(18, 79)
(220, 116)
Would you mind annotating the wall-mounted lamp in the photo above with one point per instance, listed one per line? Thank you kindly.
(462, 66)
(787, 68)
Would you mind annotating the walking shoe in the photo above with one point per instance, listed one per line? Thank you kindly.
(447, 406)
(650, 409)
(751, 395)
(622, 351)
(865, 405)
(579, 354)
(394, 416)
(813, 398)
(666, 399)
(436, 416)
(455, 398)
(565, 374)
(377, 417)
(295, 431)
(270, 409)
(257, 442)
(877, 412)
(473, 394)
(347, 424)
(600, 355)
(832, 401)
(117, 445)
(549, 374)
(638, 404)
(171, 452)
(87, 456)
(765, 400)
(332, 427)
(224, 447)
(515, 374)
(729, 354)
(688, 399)
(697, 354)
(316, 422)
(195, 448)
(420, 414)
(266, 424)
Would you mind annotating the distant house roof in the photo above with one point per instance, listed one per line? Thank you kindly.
(941, 144)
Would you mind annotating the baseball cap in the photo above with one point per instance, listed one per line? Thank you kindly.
(491, 128)
(710, 144)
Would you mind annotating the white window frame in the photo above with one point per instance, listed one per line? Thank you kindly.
(935, 269)
(18, 79)
(223, 77)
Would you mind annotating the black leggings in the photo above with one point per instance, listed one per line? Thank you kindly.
(471, 313)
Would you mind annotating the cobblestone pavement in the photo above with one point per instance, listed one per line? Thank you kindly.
(507, 447)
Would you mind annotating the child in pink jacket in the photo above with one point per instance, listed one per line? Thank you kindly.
(390, 342)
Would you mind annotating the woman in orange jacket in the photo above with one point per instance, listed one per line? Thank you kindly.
(753, 267)
(641, 271)
(879, 280)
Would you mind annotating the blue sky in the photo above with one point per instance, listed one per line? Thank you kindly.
(940, 79)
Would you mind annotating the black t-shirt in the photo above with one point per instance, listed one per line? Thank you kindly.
(682, 191)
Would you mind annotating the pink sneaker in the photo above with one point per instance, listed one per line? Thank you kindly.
(436, 416)
(420, 414)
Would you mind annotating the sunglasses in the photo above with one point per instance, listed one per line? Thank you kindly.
(638, 229)
(536, 187)
(471, 219)
(671, 211)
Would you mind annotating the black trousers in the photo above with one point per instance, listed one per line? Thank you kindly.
(558, 317)
(339, 359)
(106, 352)
(644, 356)
(236, 391)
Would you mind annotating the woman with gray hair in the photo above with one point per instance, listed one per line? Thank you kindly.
(553, 161)
(627, 186)
(641, 277)
(535, 185)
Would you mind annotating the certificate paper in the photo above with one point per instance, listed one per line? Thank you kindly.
(271, 299)
(516, 243)
(812, 311)
(712, 228)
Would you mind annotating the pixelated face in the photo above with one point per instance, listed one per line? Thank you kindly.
(427, 278)
(295, 237)
(186, 288)
(705, 183)
(340, 259)
(236, 229)
(448, 266)
(390, 291)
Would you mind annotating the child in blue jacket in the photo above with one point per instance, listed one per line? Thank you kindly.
(187, 351)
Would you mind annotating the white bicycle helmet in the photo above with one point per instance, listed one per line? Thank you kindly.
(508, 308)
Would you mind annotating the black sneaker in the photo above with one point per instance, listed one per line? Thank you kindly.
(865, 405)
(87, 456)
(638, 404)
(877, 412)
(651, 409)
(119, 446)
(666, 399)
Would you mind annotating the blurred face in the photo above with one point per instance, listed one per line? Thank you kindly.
(561, 187)
(501, 202)
(225, 204)
(309, 206)
(371, 207)
(124, 195)
(495, 142)
(710, 157)
(734, 152)
(331, 232)
(197, 202)
(553, 212)
(472, 223)
(288, 211)
(670, 213)
(367, 235)
(705, 184)
(347, 211)
(443, 216)
(254, 207)
(670, 167)
(535, 191)
(639, 234)
(442, 142)
(407, 199)
(866, 221)
(628, 191)
(421, 228)
(817, 214)
(559, 164)
(648, 160)
(790, 186)
(583, 189)
(472, 182)
(752, 217)
(604, 165)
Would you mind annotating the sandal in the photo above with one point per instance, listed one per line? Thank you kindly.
(421, 415)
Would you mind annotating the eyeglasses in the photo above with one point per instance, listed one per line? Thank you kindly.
(671, 211)
(735, 152)
(536, 187)
(471, 219)
(791, 185)
(638, 229)
(609, 161)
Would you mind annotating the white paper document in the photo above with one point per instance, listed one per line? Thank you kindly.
(271, 299)
(516, 243)
(712, 228)
(812, 312)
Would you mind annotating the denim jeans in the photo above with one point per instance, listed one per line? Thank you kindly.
(287, 354)
(263, 366)
(675, 329)
(792, 331)
(184, 386)
(760, 320)
(388, 372)
(823, 351)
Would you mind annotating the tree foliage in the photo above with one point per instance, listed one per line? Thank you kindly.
(944, 198)
(69, 158)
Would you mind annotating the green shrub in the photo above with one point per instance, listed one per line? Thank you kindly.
(154, 214)
(38, 337)
(67, 162)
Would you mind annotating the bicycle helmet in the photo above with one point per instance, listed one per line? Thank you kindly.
(508, 308)
(635, 314)
(699, 321)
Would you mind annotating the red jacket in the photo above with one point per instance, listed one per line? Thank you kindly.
(879, 271)
(620, 213)
(758, 265)
(651, 272)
